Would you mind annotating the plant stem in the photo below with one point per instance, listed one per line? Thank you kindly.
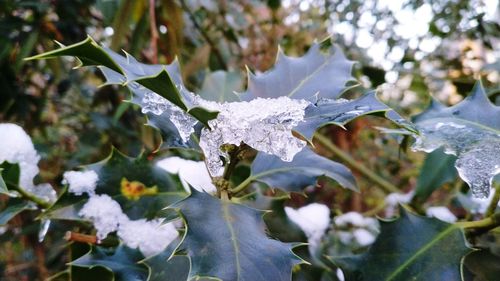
(243, 185)
(32, 197)
(494, 202)
(154, 31)
(489, 222)
(382, 183)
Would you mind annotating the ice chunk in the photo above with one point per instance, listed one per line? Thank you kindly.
(313, 219)
(81, 182)
(105, 213)
(156, 104)
(151, 237)
(190, 172)
(263, 124)
(477, 149)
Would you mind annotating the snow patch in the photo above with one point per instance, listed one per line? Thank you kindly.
(81, 182)
(190, 172)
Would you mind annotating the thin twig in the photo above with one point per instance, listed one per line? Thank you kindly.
(494, 202)
(154, 32)
(382, 183)
(204, 34)
(79, 237)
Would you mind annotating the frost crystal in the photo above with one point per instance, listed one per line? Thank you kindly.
(81, 182)
(263, 124)
(151, 237)
(441, 213)
(192, 173)
(313, 219)
(477, 149)
(16, 147)
(105, 213)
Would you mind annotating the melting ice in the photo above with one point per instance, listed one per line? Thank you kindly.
(264, 124)
(477, 149)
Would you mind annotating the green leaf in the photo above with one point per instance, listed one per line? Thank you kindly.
(437, 170)
(165, 80)
(220, 86)
(483, 265)
(409, 248)
(340, 112)
(227, 241)
(111, 172)
(3, 186)
(316, 74)
(471, 131)
(165, 267)
(14, 207)
(301, 172)
(122, 261)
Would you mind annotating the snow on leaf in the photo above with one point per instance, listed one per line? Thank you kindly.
(227, 241)
(471, 131)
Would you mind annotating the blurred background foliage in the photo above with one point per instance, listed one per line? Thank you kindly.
(406, 50)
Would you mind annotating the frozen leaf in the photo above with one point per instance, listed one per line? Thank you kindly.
(342, 111)
(469, 130)
(14, 207)
(227, 241)
(316, 74)
(301, 172)
(409, 248)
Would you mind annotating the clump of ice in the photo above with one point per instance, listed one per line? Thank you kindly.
(477, 149)
(313, 219)
(16, 147)
(263, 124)
(81, 182)
(104, 212)
(190, 172)
(150, 237)
(441, 213)
(353, 228)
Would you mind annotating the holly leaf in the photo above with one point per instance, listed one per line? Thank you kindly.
(14, 207)
(409, 248)
(302, 171)
(227, 241)
(164, 80)
(168, 267)
(9, 177)
(437, 170)
(471, 131)
(221, 86)
(159, 188)
(482, 265)
(122, 261)
(318, 73)
(340, 112)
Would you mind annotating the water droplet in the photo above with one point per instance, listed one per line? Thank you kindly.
(362, 107)
(456, 112)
